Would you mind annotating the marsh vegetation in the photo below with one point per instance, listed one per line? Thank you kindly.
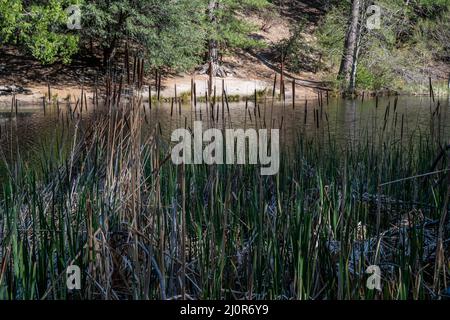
(105, 196)
(86, 177)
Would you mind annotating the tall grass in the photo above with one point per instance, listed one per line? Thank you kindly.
(141, 228)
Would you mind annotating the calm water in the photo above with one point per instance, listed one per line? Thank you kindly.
(31, 132)
(344, 120)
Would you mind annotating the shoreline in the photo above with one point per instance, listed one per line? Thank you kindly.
(237, 89)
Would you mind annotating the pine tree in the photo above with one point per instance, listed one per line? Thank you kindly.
(167, 32)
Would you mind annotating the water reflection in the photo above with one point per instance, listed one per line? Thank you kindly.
(345, 121)
(31, 131)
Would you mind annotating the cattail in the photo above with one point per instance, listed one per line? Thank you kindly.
(195, 95)
(159, 86)
(127, 62)
(176, 98)
(431, 89)
(142, 73)
(49, 91)
(134, 69)
(274, 86)
(293, 94)
(119, 94)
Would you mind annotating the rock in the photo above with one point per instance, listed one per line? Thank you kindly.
(13, 89)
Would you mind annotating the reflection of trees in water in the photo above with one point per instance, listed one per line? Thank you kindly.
(33, 132)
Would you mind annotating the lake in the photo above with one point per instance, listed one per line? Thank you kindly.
(33, 131)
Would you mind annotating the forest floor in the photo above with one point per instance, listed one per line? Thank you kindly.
(30, 80)
(248, 72)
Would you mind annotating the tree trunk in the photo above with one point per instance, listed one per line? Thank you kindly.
(213, 46)
(213, 67)
(214, 64)
(108, 55)
(352, 85)
(347, 71)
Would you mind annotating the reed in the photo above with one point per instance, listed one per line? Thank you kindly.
(142, 228)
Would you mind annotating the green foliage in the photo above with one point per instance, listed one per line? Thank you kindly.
(231, 27)
(40, 27)
(431, 8)
(298, 54)
(365, 79)
(168, 32)
(46, 43)
(393, 56)
(435, 34)
(176, 39)
(331, 35)
(375, 77)
(10, 11)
